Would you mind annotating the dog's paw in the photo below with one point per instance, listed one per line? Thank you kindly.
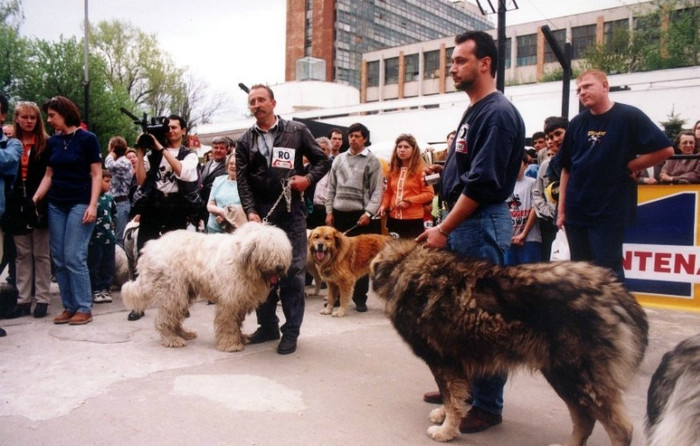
(174, 342)
(439, 433)
(188, 335)
(339, 312)
(222, 347)
(437, 416)
(326, 310)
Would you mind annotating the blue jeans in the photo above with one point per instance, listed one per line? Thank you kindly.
(101, 266)
(486, 234)
(69, 246)
(530, 252)
(123, 210)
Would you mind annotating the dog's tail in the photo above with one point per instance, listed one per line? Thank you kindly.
(134, 298)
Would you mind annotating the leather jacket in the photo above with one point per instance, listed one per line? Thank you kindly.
(258, 183)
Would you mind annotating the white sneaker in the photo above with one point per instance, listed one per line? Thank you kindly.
(97, 297)
(106, 296)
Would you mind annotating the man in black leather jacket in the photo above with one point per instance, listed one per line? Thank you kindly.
(268, 156)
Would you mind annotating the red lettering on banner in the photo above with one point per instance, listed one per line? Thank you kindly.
(643, 256)
(661, 262)
(687, 264)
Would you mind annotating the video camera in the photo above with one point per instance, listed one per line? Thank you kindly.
(158, 127)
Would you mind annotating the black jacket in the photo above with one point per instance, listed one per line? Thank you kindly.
(208, 179)
(258, 183)
(19, 204)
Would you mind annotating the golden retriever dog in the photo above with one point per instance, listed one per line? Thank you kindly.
(340, 261)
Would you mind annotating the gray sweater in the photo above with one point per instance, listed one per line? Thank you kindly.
(355, 183)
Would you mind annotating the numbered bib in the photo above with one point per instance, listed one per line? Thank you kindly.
(283, 157)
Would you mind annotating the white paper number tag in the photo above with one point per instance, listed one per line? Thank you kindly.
(283, 157)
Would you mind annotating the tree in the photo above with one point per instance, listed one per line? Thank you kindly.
(12, 46)
(665, 37)
(54, 68)
(673, 126)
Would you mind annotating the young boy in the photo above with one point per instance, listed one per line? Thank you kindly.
(101, 249)
(525, 245)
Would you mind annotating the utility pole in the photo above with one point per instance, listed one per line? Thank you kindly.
(501, 36)
(86, 77)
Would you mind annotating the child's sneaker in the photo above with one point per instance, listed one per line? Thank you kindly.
(97, 297)
(106, 296)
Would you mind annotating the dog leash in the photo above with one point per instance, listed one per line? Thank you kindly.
(374, 217)
(286, 194)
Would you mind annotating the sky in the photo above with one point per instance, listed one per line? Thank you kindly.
(224, 42)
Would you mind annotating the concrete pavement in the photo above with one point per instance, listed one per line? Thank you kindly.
(351, 381)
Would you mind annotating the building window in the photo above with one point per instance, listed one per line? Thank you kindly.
(507, 51)
(560, 38)
(411, 67)
(581, 38)
(527, 50)
(372, 73)
(431, 65)
(448, 60)
(391, 71)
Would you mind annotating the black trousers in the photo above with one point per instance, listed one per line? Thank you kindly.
(164, 214)
(344, 221)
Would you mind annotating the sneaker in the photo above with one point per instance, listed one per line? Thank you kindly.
(2, 333)
(97, 297)
(287, 345)
(478, 420)
(64, 317)
(106, 296)
(264, 334)
(80, 319)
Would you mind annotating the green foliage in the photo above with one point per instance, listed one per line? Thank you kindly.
(126, 69)
(673, 126)
(666, 37)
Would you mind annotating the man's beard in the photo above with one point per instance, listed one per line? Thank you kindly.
(464, 84)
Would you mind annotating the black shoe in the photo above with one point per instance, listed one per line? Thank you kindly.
(19, 311)
(135, 315)
(40, 310)
(362, 308)
(264, 334)
(287, 345)
(2, 333)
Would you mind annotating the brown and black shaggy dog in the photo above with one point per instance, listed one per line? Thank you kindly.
(341, 260)
(234, 271)
(572, 321)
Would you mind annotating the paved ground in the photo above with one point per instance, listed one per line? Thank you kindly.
(351, 381)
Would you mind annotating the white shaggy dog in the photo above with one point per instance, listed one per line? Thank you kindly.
(234, 271)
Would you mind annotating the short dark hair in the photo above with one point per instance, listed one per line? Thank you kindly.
(335, 130)
(264, 87)
(357, 127)
(180, 119)
(64, 107)
(225, 140)
(538, 135)
(484, 46)
(555, 122)
(4, 105)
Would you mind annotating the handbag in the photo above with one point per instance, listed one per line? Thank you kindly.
(560, 247)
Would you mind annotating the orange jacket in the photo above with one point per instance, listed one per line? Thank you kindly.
(403, 187)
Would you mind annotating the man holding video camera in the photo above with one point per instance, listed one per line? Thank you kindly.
(160, 175)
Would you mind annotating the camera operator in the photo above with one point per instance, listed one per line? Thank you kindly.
(158, 173)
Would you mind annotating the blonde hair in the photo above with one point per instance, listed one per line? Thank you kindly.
(598, 74)
(40, 136)
(415, 163)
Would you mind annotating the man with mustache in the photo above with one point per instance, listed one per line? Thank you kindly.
(270, 169)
